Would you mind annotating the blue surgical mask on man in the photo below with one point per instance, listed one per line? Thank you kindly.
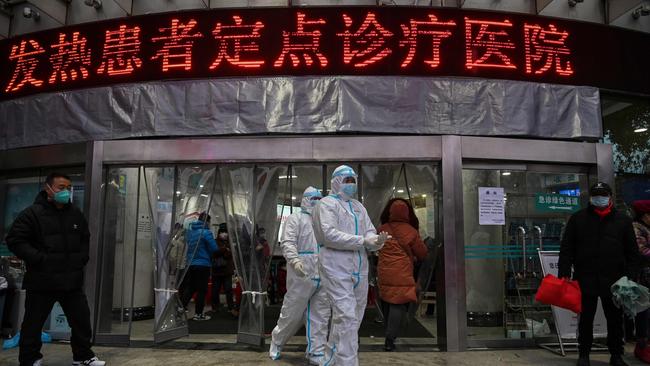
(63, 197)
(350, 189)
(600, 201)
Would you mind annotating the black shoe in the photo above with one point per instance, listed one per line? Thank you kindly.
(389, 345)
(617, 360)
(583, 360)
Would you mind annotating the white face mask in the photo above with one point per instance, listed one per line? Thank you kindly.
(600, 201)
(223, 236)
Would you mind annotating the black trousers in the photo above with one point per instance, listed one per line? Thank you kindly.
(614, 318)
(196, 280)
(38, 306)
(393, 316)
(217, 283)
(641, 324)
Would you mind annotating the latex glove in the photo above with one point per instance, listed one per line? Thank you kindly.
(382, 237)
(299, 267)
(375, 242)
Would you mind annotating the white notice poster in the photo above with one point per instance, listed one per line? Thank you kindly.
(491, 206)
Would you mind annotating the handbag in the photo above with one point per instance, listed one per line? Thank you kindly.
(562, 293)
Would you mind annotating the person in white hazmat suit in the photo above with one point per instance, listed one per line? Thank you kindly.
(342, 226)
(304, 299)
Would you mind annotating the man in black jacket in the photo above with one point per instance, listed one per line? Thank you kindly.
(600, 244)
(52, 237)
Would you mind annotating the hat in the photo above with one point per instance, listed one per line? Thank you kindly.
(641, 206)
(203, 216)
(600, 189)
(223, 228)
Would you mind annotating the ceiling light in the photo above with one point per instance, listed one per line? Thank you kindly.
(643, 10)
(178, 192)
(286, 176)
(400, 191)
(204, 195)
(424, 196)
(200, 185)
(293, 197)
(31, 13)
(642, 129)
(94, 3)
(573, 3)
(506, 173)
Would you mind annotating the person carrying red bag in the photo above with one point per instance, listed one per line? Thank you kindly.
(599, 243)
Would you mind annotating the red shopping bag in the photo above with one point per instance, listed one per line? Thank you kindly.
(562, 293)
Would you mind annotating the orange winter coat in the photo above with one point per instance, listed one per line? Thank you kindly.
(395, 267)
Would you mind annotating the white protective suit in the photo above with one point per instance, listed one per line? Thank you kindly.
(304, 299)
(341, 224)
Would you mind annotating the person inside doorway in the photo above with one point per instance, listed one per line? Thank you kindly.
(223, 268)
(342, 226)
(200, 248)
(396, 261)
(305, 300)
(600, 245)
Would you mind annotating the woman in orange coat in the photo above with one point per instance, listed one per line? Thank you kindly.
(395, 267)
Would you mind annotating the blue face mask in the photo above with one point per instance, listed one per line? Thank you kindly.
(62, 197)
(350, 189)
(600, 201)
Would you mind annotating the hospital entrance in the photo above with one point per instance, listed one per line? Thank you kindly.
(149, 208)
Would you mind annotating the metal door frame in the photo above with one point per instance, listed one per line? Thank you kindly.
(451, 150)
(519, 154)
(234, 150)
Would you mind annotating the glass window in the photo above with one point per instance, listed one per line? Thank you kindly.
(626, 125)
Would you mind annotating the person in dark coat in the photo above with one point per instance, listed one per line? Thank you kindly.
(52, 238)
(599, 243)
(223, 267)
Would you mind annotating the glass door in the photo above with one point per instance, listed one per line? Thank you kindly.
(502, 265)
(418, 183)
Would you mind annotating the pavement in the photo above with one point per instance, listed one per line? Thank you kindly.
(232, 354)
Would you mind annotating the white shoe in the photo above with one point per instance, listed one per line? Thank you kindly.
(92, 362)
(201, 317)
(38, 362)
(274, 351)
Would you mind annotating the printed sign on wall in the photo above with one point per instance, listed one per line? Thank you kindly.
(491, 206)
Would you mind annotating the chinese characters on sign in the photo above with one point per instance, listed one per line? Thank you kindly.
(324, 41)
(121, 51)
(548, 202)
(491, 206)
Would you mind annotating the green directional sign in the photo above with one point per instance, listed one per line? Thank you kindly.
(548, 202)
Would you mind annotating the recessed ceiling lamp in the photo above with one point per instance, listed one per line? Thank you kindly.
(639, 130)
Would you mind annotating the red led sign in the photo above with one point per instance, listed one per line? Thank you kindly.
(321, 41)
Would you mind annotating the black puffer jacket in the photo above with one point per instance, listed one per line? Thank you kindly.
(600, 250)
(53, 243)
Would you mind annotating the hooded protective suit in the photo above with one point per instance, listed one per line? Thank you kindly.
(342, 226)
(304, 299)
